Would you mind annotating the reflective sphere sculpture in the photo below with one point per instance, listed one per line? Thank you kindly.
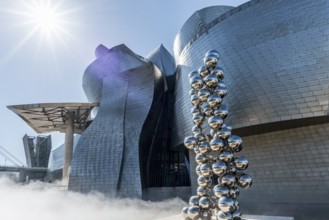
(226, 204)
(190, 142)
(244, 181)
(214, 147)
(219, 168)
(228, 180)
(193, 212)
(241, 163)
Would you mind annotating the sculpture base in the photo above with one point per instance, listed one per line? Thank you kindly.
(244, 217)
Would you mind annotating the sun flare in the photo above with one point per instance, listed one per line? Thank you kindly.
(46, 19)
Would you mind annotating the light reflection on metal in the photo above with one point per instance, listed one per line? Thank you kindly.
(219, 171)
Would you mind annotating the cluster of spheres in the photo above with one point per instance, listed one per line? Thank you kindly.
(220, 172)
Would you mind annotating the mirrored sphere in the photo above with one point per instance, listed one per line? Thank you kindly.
(196, 82)
(219, 72)
(241, 163)
(244, 181)
(198, 118)
(222, 111)
(226, 156)
(223, 216)
(203, 94)
(200, 159)
(204, 202)
(190, 142)
(236, 215)
(204, 147)
(229, 127)
(215, 122)
(235, 143)
(197, 170)
(193, 212)
(219, 168)
(193, 92)
(195, 110)
(207, 110)
(184, 212)
(213, 52)
(221, 91)
(228, 180)
(210, 60)
(200, 137)
(231, 168)
(196, 150)
(202, 181)
(214, 100)
(194, 200)
(205, 170)
(220, 191)
(203, 71)
(195, 100)
(201, 191)
(224, 133)
(221, 84)
(226, 204)
(211, 80)
(217, 144)
(196, 129)
(193, 74)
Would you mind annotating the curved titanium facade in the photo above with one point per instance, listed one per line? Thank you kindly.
(275, 55)
(106, 157)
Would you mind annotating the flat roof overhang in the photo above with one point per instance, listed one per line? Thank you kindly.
(50, 117)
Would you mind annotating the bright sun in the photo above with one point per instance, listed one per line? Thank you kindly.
(46, 18)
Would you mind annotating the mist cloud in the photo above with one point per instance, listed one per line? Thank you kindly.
(39, 201)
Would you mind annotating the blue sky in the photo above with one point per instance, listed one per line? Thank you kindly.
(46, 64)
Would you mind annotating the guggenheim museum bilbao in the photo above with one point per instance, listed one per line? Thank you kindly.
(275, 55)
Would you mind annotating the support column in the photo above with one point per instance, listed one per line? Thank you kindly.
(68, 151)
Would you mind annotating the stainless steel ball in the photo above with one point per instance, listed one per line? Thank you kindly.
(221, 91)
(226, 156)
(193, 92)
(226, 204)
(244, 181)
(219, 168)
(235, 143)
(193, 212)
(193, 74)
(198, 118)
(223, 216)
(215, 122)
(203, 181)
(196, 129)
(196, 150)
(204, 147)
(203, 71)
(196, 82)
(194, 200)
(220, 191)
(201, 191)
(228, 180)
(236, 215)
(219, 72)
(200, 159)
(241, 163)
(211, 80)
(234, 192)
(231, 168)
(204, 202)
(203, 94)
(190, 142)
(195, 100)
(195, 110)
(185, 212)
(217, 144)
(210, 60)
(224, 133)
(221, 84)
(200, 137)
(222, 111)
(206, 170)
(207, 110)
(214, 100)
(214, 52)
